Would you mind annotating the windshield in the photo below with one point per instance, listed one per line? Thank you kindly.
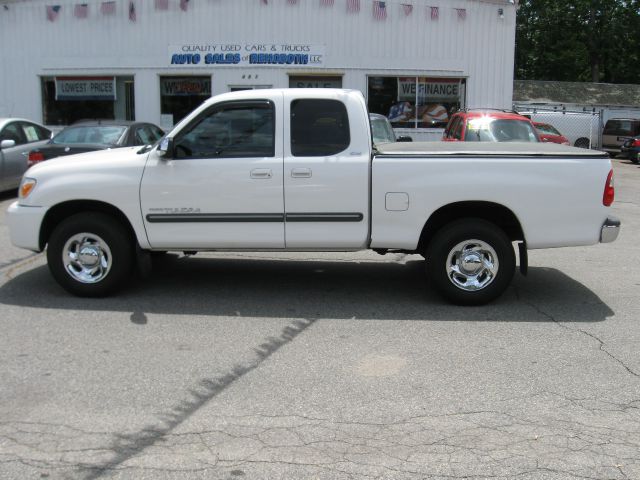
(382, 131)
(101, 134)
(487, 129)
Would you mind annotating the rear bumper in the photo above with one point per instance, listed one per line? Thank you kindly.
(24, 225)
(610, 230)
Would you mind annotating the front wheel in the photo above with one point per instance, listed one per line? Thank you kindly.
(90, 254)
(470, 262)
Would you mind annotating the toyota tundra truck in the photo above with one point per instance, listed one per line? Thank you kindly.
(296, 170)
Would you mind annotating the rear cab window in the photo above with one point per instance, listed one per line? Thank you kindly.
(319, 128)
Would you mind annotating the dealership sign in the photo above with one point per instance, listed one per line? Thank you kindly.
(85, 88)
(246, 55)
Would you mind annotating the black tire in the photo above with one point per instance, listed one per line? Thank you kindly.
(108, 247)
(582, 143)
(462, 235)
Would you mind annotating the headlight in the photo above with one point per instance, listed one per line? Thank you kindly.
(26, 187)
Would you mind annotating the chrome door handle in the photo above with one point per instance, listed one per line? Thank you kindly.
(301, 172)
(261, 173)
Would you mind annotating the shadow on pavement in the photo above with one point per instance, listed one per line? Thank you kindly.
(311, 289)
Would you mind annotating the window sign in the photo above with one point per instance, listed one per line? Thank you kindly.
(185, 86)
(246, 55)
(315, 82)
(85, 88)
(416, 102)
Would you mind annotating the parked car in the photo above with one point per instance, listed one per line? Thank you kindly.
(489, 126)
(17, 137)
(382, 131)
(548, 133)
(617, 131)
(96, 135)
(631, 149)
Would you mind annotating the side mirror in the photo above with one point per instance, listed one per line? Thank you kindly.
(165, 149)
(7, 144)
(404, 138)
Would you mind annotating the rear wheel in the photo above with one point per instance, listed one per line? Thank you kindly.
(582, 143)
(470, 262)
(90, 254)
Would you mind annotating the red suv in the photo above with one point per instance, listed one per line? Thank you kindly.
(489, 126)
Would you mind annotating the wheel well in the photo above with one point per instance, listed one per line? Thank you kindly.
(62, 211)
(491, 212)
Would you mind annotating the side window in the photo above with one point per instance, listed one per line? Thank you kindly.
(155, 133)
(13, 132)
(230, 130)
(142, 137)
(452, 127)
(457, 131)
(319, 128)
(34, 133)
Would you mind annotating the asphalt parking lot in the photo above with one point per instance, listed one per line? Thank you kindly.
(325, 366)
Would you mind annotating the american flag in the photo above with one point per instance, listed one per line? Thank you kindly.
(462, 13)
(407, 8)
(184, 5)
(81, 10)
(162, 4)
(353, 6)
(326, 3)
(108, 8)
(379, 10)
(132, 11)
(434, 13)
(52, 12)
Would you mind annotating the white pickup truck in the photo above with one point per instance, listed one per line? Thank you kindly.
(295, 170)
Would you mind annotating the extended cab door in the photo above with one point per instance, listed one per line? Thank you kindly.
(326, 169)
(223, 188)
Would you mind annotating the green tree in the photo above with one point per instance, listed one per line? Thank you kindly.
(586, 40)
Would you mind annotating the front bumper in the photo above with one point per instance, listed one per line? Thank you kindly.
(24, 225)
(610, 230)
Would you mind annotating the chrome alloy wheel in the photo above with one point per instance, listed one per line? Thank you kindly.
(87, 258)
(472, 265)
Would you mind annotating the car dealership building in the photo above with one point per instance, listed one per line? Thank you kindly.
(155, 60)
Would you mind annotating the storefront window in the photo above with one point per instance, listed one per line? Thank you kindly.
(416, 102)
(67, 100)
(179, 96)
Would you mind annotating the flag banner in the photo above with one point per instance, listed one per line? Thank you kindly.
(462, 13)
(108, 8)
(379, 10)
(52, 12)
(326, 3)
(132, 11)
(353, 6)
(184, 5)
(81, 10)
(407, 8)
(162, 4)
(435, 12)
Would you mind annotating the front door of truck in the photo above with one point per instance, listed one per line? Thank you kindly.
(326, 170)
(222, 186)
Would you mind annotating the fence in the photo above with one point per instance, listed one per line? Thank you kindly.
(582, 128)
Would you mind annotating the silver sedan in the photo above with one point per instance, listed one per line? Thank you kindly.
(17, 138)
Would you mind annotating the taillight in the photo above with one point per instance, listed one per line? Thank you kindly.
(636, 142)
(35, 157)
(609, 191)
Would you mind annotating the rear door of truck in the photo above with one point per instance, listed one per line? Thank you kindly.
(326, 169)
